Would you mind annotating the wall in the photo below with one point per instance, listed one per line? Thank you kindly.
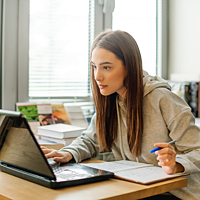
(184, 36)
(9, 54)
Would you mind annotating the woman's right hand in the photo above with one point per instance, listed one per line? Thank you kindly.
(58, 156)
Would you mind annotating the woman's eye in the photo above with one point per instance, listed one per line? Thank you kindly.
(106, 67)
(93, 66)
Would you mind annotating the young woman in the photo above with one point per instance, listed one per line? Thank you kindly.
(136, 112)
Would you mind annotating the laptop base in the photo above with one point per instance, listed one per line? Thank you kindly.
(51, 183)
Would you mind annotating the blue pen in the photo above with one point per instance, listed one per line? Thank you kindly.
(159, 148)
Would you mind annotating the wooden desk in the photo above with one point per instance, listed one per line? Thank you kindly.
(18, 189)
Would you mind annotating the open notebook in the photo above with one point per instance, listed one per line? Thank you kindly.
(21, 156)
(134, 171)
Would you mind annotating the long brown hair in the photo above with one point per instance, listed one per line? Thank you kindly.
(126, 49)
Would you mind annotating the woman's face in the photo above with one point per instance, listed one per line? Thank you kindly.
(109, 72)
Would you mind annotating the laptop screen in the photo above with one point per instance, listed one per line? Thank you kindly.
(18, 146)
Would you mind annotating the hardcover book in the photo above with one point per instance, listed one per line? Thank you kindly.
(64, 141)
(60, 131)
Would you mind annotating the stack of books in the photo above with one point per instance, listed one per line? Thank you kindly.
(59, 133)
(75, 114)
(42, 114)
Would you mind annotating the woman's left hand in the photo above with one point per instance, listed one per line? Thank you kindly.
(167, 158)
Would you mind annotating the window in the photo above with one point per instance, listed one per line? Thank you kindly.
(58, 67)
(60, 35)
(138, 17)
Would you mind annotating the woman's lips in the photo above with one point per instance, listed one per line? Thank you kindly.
(102, 86)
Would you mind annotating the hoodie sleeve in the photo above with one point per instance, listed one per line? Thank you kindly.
(187, 134)
(86, 145)
(181, 125)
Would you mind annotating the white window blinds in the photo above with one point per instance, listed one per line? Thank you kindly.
(60, 35)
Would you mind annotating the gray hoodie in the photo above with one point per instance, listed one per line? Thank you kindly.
(166, 117)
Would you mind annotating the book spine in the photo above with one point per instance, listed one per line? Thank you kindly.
(193, 102)
(50, 133)
(66, 142)
(187, 96)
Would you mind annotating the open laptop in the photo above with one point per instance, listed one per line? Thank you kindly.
(21, 156)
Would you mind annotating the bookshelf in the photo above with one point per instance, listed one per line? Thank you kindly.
(190, 92)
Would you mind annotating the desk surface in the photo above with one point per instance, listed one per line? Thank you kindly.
(113, 189)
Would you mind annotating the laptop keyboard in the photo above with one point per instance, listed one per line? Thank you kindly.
(57, 169)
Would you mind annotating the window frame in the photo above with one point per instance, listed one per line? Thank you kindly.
(162, 38)
(9, 47)
(1, 54)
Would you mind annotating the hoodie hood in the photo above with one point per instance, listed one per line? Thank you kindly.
(152, 82)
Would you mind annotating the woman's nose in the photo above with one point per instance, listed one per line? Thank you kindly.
(98, 75)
